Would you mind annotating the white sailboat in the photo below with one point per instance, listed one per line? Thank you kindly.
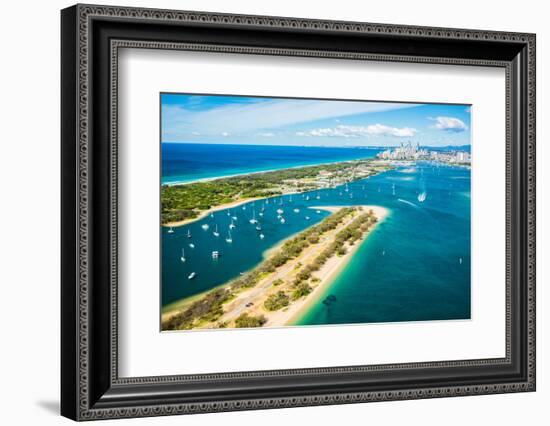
(205, 226)
(182, 258)
(318, 211)
(262, 236)
(307, 217)
(422, 197)
(253, 220)
(307, 198)
(170, 230)
(216, 233)
(229, 239)
(231, 225)
(233, 217)
(188, 233)
(191, 245)
(283, 220)
(192, 275)
(215, 254)
(280, 211)
(296, 210)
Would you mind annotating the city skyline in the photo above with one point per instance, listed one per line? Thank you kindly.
(240, 120)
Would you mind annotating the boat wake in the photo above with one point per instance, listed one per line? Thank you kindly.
(408, 203)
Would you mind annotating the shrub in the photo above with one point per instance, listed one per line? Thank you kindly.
(302, 289)
(247, 321)
(341, 251)
(276, 301)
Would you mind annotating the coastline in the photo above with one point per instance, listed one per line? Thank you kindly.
(211, 210)
(210, 179)
(329, 276)
(268, 184)
(251, 300)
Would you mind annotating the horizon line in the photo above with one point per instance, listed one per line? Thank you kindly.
(307, 146)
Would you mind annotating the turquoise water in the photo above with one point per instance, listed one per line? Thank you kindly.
(185, 162)
(414, 266)
(409, 268)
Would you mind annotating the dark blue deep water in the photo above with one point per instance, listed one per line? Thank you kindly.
(415, 265)
(185, 162)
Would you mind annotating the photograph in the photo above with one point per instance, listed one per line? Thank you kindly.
(282, 211)
(343, 200)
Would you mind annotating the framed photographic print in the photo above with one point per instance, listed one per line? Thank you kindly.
(263, 212)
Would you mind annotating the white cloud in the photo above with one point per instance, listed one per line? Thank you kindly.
(266, 134)
(195, 133)
(225, 134)
(266, 114)
(344, 131)
(449, 124)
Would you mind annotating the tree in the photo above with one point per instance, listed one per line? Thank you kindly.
(247, 321)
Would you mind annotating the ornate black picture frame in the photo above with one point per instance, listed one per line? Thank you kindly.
(91, 387)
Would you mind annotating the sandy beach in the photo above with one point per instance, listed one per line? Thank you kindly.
(205, 213)
(331, 270)
(251, 301)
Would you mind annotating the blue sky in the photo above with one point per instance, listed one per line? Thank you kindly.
(276, 121)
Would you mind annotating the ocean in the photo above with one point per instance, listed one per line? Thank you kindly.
(187, 162)
(414, 266)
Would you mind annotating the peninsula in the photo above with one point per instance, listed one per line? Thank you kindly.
(281, 288)
(187, 202)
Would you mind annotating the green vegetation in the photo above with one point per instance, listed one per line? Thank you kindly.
(209, 308)
(301, 290)
(276, 301)
(350, 234)
(290, 250)
(186, 201)
(247, 321)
